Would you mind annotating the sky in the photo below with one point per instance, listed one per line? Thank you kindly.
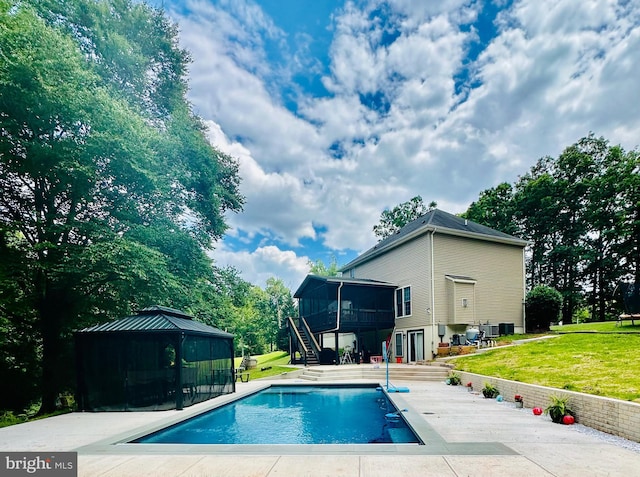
(337, 110)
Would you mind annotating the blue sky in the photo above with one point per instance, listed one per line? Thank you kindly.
(337, 110)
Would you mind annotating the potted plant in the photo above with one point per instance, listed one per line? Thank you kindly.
(519, 400)
(454, 379)
(490, 391)
(470, 386)
(559, 408)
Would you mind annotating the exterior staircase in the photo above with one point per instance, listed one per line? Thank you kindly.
(312, 359)
(301, 341)
(398, 372)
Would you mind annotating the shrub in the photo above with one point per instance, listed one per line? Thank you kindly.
(490, 391)
(454, 379)
(542, 307)
(558, 408)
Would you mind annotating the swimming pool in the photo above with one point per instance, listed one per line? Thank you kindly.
(295, 414)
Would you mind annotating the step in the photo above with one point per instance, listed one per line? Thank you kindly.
(354, 372)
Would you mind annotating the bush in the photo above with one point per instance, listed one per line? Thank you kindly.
(542, 307)
(558, 408)
(490, 391)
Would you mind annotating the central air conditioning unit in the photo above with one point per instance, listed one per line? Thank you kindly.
(490, 331)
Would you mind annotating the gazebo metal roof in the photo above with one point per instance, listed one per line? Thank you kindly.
(157, 318)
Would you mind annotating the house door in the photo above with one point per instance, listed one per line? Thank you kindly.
(416, 346)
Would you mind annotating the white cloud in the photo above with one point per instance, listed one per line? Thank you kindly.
(259, 265)
(556, 71)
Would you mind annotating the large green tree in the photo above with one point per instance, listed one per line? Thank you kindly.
(579, 212)
(495, 208)
(110, 187)
(392, 220)
(281, 307)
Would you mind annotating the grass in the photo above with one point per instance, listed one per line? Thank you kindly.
(599, 327)
(270, 364)
(509, 339)
(590, 358)
(8, 418)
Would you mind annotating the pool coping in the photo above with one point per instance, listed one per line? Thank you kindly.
(432, 441)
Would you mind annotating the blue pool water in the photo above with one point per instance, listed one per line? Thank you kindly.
(294, 415)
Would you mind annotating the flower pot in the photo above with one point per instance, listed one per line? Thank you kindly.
(519, 404)
(398, 359)
(470, 389)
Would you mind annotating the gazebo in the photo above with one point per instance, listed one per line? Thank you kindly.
(156, 360)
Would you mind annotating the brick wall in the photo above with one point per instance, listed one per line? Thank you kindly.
(620, 418)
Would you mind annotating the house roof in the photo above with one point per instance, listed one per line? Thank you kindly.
(437, 221)
(157, 319)
(346, 280)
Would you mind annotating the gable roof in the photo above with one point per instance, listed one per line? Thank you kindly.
(157, 319)
(437, 221)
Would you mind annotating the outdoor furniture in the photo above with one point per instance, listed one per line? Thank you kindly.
(242, 375)
(626, 316)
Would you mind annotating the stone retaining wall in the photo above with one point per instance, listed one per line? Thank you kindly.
(613, 416)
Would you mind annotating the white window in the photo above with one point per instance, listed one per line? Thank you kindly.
(399, 351)
(403, 301)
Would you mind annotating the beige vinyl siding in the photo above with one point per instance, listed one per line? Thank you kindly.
(459, 295)
(406, 265)
(497, 270)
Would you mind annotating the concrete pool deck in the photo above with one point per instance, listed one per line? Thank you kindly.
(466, 435)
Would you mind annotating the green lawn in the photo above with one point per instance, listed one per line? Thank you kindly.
(269, 364)
(604, 363)
(600, 327)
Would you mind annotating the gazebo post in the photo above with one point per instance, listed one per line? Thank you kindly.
(179, 354)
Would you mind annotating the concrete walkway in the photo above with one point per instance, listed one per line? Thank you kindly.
(465, 434)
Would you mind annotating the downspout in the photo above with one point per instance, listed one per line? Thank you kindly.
(335, 330)
(524, 292)
(433, 298)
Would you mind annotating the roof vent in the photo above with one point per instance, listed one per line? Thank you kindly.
(465, 222)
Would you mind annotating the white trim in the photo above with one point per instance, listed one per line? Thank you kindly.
(469, 281)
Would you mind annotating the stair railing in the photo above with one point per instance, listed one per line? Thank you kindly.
(299, 343)
(315, 347)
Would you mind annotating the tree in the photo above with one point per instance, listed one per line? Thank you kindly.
(110, 187)
(543, 306)
(393, 220)
(282, 307)
(536, 207)
(319, 268)
(495, 208)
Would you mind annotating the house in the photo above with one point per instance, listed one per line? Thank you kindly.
(449, 276)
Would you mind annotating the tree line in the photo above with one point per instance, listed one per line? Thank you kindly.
(580, 213)
(111, 191)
